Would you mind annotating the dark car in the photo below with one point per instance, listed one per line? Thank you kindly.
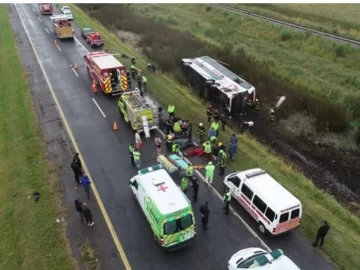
(85, 32)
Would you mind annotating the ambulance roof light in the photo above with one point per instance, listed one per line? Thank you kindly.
(249, 175)
(150, 169)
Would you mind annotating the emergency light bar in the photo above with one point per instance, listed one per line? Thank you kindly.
(150, 169)
(249, 175)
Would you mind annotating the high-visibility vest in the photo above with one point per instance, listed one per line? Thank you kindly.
(171, 109)
(189, 170)
(222, 153)
(227, 196)
(215, 125)
(131, 149)
(184, 183)
(136, 155)
(210, 168)
(175, 148)
(207, 147)
(144, 80)
(213, 138)
(177, 127)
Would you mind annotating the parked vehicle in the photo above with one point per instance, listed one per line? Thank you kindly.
(84, 32)
(62, 27)
(94, 39)
(257, 258)
(166, 207)
(67, 13)
(274, 208)
(46, 8)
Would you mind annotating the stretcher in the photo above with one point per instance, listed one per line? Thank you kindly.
(166, 164)
(178, 161)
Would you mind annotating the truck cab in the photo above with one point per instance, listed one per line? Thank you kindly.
(46, 8)
(94, 39)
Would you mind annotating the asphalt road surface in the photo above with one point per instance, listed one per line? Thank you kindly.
(90, 118)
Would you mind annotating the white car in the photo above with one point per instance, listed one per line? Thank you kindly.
(68, 15)
(63, 8)
(257, 258)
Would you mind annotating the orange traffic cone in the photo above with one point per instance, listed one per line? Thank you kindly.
(75, 66)
(115, 126)
(94, 87)
(55, 42)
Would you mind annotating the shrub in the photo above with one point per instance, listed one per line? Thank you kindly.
(341, 50)
(285, 35)
(208, 8)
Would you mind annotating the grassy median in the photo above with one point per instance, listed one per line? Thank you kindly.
(334, 18)
(29, 236)
(345, 231)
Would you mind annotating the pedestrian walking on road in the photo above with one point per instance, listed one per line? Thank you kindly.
(138, 141)
(85, 181)
(184, 184)
(322, 232)
(158, 144)
(77, 171)
(131, 150)
(78, 207)
(87, 214)
(209, 175)
(195, 184)
(137, 159)
(205, 212)
(227, 199)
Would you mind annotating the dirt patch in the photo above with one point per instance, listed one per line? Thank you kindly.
(130, 38)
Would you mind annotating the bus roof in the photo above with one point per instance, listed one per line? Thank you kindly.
(268, 189)
(163, 191)
(106, 61)
(210, 69)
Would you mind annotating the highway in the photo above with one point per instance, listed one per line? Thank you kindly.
(90, 118)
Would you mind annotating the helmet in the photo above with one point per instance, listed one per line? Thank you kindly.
(272, 110)
(257, 100)
(220, 144)
(210, 163)
(201, 124)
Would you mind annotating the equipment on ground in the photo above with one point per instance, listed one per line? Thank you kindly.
(94, 39)
(165, 206)
(133, 107)
(46, 8)
(218, 85)
(107, 72)
(62, 27)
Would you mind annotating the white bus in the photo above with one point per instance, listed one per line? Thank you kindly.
(274, 208)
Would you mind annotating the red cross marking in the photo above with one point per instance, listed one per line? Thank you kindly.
(162, 188)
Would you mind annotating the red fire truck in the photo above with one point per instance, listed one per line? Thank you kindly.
(107, 72)
(46, 8)
(95, 39)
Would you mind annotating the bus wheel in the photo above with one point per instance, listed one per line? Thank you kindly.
(262, 228)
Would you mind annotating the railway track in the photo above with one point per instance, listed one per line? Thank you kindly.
(290, 24)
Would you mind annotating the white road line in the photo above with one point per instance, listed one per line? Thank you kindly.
(33, 9)
(58, 48)
(75, 72)
(47, 30)
(97, 105)
(220, 197)
(39, 18)
(78, 41)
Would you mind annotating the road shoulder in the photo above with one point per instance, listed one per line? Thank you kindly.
(60, 152)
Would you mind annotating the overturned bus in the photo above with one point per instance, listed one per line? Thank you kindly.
(218, 85)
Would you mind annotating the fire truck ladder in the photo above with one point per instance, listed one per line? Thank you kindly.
(138, 102)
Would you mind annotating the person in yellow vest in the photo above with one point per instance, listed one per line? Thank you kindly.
(177, 128)
(207, 150)
(189, 170)
(227, 199)
(144, 83)
(215, 126)
(184, 184)
(137, 158)
(171, 111)
(175, 148)
(209, 173)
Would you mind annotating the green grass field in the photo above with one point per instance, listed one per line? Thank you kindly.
(29, 236)
(334, 18)
(321, 67)
(345, 231)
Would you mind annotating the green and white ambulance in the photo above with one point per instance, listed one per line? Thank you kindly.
(165, 206)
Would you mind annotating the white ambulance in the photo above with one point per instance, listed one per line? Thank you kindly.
(274, 208)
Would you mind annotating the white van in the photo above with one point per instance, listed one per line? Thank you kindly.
(257, 258)
(274, 208)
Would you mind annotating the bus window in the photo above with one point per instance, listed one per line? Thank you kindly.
(235, 180)
(284, 217)
(295, 213)
(270, 214)
(259, 204)
(247, 191)
(178, 225)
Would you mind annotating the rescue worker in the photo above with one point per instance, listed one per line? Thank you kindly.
(213, 141)
(195, 184)
(144, 83)
(137, 158)
(222, 152)
(232, 151)
(139, 81)
(216, 115)
(209, 172)
(184, 184)
(207, 150)
(157, 142)
(215, 126)
(227, 199)
(131, 150)
(169, 141)
(256, 105)
(272, 116)
(177, 128)
(171, 111)
(211, 133)
(133, 71)
(201, 131)
(209, 112)
(189, 170)
(168, 126)
(222, 164)
(151, 67)
(223, 122)
(205, 212)
(321, 233)
(175, 148)
(133, 61)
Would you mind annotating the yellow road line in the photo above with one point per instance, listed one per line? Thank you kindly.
(93, 186)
